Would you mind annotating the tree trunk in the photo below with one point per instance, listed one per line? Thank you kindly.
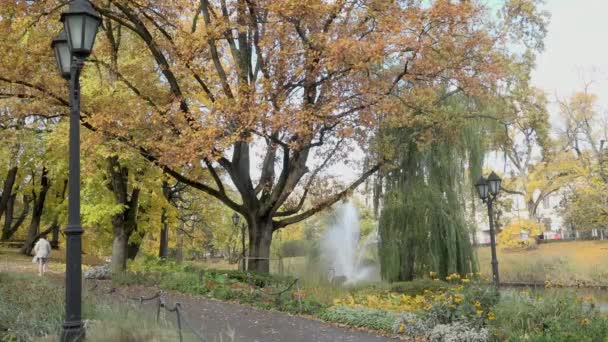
(7, 189)
(55, 234)
(9, 228)
(179, 254)
(123, 224)
(260, 238)
(55, 225)
(119, 253)
(10, 224)
(9, 208)
(164, 235)
(36, 213)
(133, 249)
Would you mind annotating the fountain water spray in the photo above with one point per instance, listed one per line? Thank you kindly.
(341, 249)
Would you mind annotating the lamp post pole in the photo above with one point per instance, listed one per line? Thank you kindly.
(488, 190)
(72, 46)
(72, 326)
(495, 276)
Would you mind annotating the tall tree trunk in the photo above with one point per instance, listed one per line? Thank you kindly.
(55, 234)
(118, 263)
(164, 235)
(7, 188)
(124, 224)
(133, 247)
(55, 225)
(377, 193)
(260, 238)
(179, 255)
(10, 225)
(37, 212)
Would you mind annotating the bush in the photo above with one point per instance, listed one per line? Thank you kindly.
(295, 248)
(510, 236)
(418, 286)
(360, 317)
(458, 332)
(245, 287)
(555, 316)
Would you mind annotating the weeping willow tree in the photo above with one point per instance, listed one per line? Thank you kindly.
(423, 226)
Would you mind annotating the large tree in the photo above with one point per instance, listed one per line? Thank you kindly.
(204, 86)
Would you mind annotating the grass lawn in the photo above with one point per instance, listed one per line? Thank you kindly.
(32, 309)
(567, 263)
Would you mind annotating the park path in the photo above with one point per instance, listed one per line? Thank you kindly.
(239, 323)
(222, 321)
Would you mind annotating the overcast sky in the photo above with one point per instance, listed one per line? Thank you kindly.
(576, 50)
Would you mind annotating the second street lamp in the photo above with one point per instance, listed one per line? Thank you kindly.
(488, 190)
(72, 46)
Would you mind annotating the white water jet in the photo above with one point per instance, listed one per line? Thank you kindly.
(342, 251)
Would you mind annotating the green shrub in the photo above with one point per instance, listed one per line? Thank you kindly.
(135, 278)
(295, 248)
(360, 317)
(183, 282)
(418, 286)
(244, 287)
(554, 316)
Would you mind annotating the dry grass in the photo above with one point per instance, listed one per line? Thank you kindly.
(567, 263)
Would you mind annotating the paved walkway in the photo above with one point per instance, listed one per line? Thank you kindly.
(235, 322)
(222, 321)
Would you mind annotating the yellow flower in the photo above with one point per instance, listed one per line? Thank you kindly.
(477, 304)
(585, 321)
(432, 274)
(401, 328)
(479, 312)
(458, 300)
(491, 316)
(465, 281)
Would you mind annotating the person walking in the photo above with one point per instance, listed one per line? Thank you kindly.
(42, 252)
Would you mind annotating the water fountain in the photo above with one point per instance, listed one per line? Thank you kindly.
(342, 251)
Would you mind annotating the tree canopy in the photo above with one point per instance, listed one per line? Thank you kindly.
(200, 88)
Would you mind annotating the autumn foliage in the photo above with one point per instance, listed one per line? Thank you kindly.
(210, 90)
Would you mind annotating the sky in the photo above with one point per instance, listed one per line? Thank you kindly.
(575, 55)
(576, 50)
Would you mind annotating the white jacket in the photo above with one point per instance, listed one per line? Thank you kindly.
(42, 248)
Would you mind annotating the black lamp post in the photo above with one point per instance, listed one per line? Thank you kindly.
(72, 46)
(235, 219)
(488, 189)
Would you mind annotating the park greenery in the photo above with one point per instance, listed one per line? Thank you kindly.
(194, 111)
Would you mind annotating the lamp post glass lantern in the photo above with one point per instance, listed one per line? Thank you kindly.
(494, 183)
(72, 46)
(482, 188)
(81, 22)
(63, 55)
